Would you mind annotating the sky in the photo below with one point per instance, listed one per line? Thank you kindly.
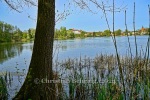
(82, 19)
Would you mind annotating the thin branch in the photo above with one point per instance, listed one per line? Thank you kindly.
(17, 5)
(31, 2)
(12, 6)
(134, 30)
(83, 5)
(136, 58)
(118, 58)
(128, 35)
(59, 16)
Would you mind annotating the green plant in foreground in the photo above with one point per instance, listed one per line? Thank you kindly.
(3, 89)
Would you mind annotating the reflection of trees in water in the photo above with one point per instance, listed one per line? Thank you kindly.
(64, 47)
(8, 51)
(31, 47)
(28, 46)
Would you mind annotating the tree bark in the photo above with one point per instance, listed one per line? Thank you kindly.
(41, 61)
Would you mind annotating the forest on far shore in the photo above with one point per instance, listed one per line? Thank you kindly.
(10, 33)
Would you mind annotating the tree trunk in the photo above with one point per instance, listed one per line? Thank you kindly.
(41, 61)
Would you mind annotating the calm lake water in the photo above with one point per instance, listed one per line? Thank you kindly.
(18, 55)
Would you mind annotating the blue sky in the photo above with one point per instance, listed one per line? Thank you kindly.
(81, 19)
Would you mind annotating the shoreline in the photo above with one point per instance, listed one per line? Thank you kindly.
(26, 41)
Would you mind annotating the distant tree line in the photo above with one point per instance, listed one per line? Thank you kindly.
(10, 33)
(63, 33)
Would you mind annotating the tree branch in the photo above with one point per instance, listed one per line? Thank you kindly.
(12, 6)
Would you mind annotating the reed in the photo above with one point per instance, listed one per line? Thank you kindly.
(99, 78)
(3, 89)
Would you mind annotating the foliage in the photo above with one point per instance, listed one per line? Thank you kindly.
(118, 32)
(82, 34)
(10, 33)
(3, 89)
(107, 33)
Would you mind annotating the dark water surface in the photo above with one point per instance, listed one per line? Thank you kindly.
(18, 55)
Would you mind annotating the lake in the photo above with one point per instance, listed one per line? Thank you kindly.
(16, 57)
(13, 56)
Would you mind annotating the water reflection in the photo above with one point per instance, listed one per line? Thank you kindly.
(28, 46)
(72, 48)
(8, 51)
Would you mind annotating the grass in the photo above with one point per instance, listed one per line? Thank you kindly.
(104, 77)
(98, 79)
(3, 89)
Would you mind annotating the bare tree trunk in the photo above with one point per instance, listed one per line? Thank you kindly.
(41, 61)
